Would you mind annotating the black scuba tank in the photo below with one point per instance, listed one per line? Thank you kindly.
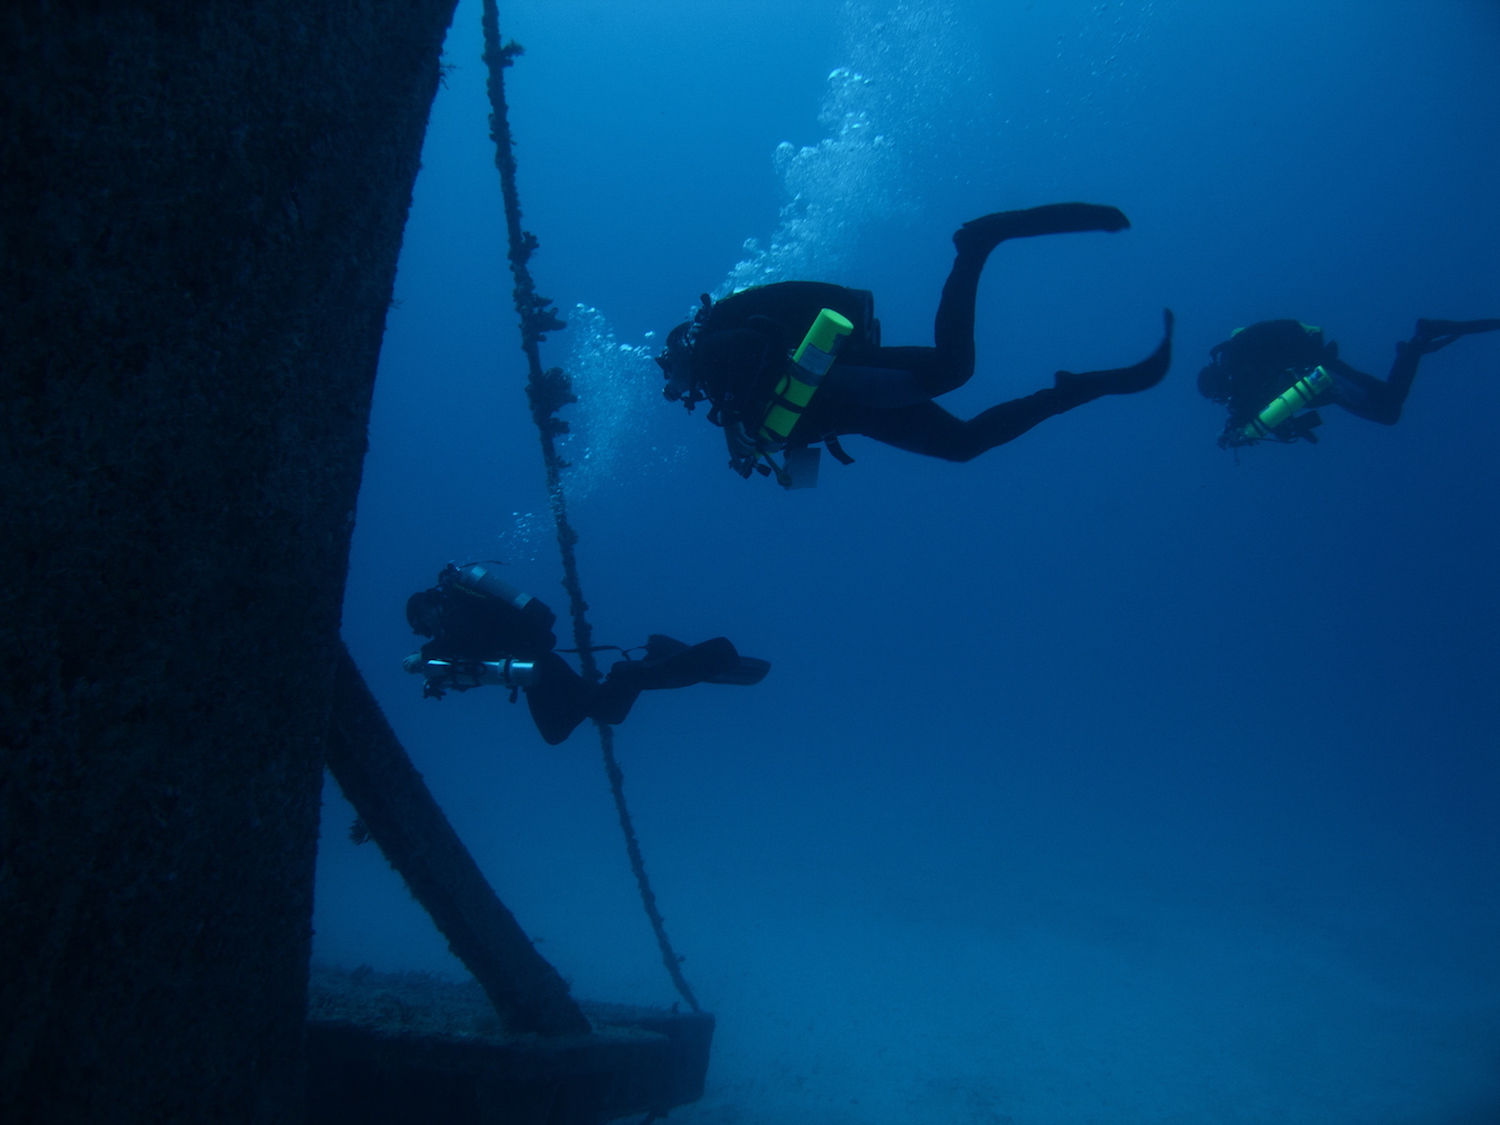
(479, 580)
(526, 620)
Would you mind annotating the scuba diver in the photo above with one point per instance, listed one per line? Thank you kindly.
(737, 354)
(1266, 373)
(486, 632)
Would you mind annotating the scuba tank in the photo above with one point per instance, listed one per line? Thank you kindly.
(477, 580)
(794, 390)
(1299, 395)
(810, 362)
(482, 609)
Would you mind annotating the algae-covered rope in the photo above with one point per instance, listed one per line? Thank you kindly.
(548, 391)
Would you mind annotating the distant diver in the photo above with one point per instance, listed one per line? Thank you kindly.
(1275, 375)
(486, 632)
(738, 355)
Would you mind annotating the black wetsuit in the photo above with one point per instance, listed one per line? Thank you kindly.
(471, 626)
(886, 393)
(472, 615)
(1259, 363)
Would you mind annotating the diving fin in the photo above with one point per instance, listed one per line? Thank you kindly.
(669, 663)
(1123, 380)
(746, 670)
(750, 670)
(985, 233)
(1433, 335)
(659, 646)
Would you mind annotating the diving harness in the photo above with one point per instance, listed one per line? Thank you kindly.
(754, 451)
(1280, 409)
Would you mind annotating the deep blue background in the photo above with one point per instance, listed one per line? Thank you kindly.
(1101, 779)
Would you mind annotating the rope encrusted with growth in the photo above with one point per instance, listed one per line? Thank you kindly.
(548, 391)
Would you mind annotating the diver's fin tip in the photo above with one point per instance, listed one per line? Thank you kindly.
(749, 671)
(1434, 335)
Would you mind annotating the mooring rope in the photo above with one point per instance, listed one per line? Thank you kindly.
(548, 391)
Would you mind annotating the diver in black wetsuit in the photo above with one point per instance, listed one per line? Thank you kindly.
(485, 631)
(735, 352)
(1272, 358)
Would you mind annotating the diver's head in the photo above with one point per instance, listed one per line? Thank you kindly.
(424, 613)
(676, 359)
(676, 362)
(1214, 382)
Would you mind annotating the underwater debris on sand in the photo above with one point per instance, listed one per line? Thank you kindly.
(410, 1048)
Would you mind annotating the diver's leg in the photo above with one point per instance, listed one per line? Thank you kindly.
(953, 328)
(924, 428)
(930, 430)
(668, 664)
(884, 378)
(613, 701)
(1370, 398)
(951, 364)
(559, 700)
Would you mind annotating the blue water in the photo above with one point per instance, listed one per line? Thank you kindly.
(1102, 779)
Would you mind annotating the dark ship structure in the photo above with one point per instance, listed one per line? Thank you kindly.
(201, 208)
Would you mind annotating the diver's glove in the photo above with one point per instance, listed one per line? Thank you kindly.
(744, 451)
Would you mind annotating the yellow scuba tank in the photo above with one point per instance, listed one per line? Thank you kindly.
(810, 362)
(1300, 394)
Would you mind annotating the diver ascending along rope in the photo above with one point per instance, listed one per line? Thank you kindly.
(548, 391)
